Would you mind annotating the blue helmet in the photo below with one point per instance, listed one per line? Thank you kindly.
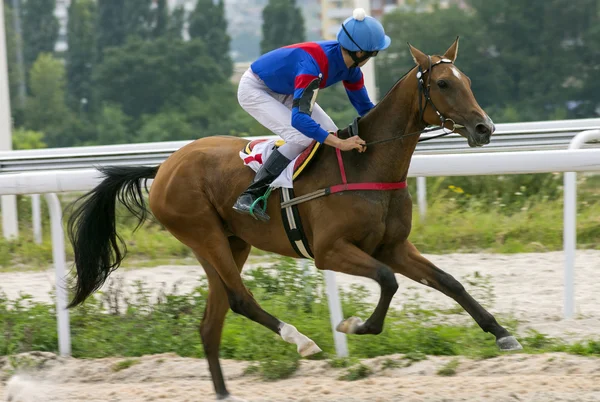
(362, 32)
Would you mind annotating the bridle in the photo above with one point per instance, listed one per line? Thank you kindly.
(424, 92)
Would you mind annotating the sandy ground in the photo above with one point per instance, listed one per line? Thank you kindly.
(528, 286)
(541, 378)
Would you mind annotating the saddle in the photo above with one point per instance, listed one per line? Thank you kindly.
(289, 203)
(301, 162)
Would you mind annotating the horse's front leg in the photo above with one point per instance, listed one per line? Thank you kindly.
(345, 257)
(405, 259)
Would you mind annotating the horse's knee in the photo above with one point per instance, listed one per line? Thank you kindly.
(241, 305)
(237, 304)
(387, 279)
(205, 331)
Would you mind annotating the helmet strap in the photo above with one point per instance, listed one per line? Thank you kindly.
(357, 60)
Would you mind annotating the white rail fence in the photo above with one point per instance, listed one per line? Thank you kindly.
(573, 160)
(532, 136)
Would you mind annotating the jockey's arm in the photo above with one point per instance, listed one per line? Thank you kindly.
(306, 86)
(357, 92)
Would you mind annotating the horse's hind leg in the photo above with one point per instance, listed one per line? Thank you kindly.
(217, 306)
(212, 326)
(405, 259)
(215, 249)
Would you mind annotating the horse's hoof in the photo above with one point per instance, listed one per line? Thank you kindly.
(349, 325)
(509, 343)
(308, 349)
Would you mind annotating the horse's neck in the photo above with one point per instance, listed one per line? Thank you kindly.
(395, 115)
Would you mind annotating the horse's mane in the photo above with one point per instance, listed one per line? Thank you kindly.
(398, 82)
(345, 130)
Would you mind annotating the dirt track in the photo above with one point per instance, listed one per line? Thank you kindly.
(541, 378)
(529, 286)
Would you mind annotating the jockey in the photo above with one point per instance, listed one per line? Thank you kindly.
(280, 88)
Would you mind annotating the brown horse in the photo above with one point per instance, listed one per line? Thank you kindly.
(362, 233)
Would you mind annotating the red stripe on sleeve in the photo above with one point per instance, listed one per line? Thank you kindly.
(317, 53)
(303, 80)
(356, 85)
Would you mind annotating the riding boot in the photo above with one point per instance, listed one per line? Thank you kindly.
(268, 172)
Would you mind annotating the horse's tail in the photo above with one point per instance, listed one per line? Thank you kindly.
(92, 230)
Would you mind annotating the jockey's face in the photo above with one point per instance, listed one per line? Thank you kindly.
(362, 63)
(361, 54)
(349, 61)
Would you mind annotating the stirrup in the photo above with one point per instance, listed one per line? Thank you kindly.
(262, 199)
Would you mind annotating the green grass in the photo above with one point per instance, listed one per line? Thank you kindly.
(449, 369)
(124, 364)
(141, 328)
(357, 372)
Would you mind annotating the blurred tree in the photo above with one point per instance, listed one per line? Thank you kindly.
(11, 55)
(176, 23)
(142, 77)
(283, 24)
(40, 29)
(208, 22)
(433, 33)
(111, 30)
(166, 126)
(138, 18)
(80, 54)
(160, 19)
(524, 59)
(28, 139)
(113, 126)
(539, 47)
(46, 110)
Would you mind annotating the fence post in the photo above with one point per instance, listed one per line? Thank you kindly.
(570, 223)
(335, 314)
(422, 196)
(36, 218)
(58, 255)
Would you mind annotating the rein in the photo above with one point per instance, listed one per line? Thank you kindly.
(345, 186)
(353, 130)
(425, 90)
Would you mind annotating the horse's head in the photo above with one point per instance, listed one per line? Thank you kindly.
(446, 97)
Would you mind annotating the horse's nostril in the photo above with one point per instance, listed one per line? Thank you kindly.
(482, 129)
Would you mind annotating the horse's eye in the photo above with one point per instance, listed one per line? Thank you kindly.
(442, 84)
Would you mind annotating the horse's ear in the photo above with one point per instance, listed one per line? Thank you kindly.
(419, 57)
(452, 51)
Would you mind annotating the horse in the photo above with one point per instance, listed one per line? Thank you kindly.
(357, 232)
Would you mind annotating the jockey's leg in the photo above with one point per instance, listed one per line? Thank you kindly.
(267, 173)
(270, 110)
(319, 115)
(291, 150)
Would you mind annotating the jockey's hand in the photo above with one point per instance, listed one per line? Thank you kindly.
(348, 144)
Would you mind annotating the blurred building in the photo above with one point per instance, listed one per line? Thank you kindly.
(61, 12)
(334, 12)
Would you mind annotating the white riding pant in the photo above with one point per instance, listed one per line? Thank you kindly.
(274, 111)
